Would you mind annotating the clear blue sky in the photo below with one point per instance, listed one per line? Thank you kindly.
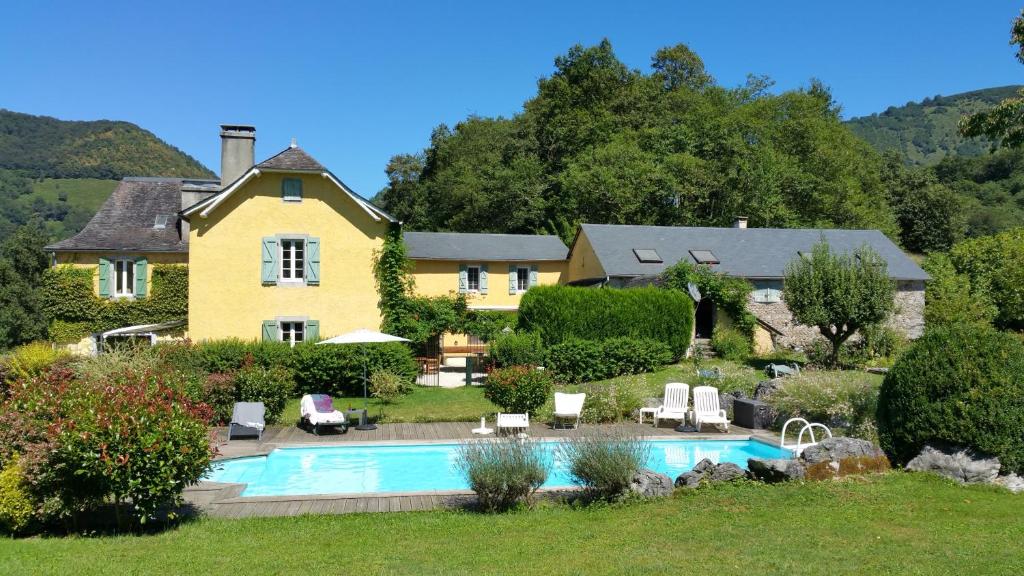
(358, 82)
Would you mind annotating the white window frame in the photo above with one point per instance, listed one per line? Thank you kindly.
(126, 276)
(519, 277)
(292, 268)
(469, 282)
(286, 331)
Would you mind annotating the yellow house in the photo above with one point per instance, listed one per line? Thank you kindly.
(492, 271)
(283, 252)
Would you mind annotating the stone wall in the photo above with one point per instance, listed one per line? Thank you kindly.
(907, 318)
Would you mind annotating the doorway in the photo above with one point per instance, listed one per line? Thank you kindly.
(705, 318)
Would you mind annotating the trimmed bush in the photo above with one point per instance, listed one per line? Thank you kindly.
(516, 349)
(731, 344)
(16, 506)
(219, 393)
(503, 473)
(387, 386)
(518, 389)
(232, 354)
(575, 361)
(604, 462)
(960, 385)
(338, 369)
(272, 386)
(561, 313)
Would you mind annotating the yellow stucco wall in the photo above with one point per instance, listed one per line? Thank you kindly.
(226, 296)
(92, 260)
(441, 278)
(583, 262)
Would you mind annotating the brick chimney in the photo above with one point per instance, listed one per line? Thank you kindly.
(237, 151)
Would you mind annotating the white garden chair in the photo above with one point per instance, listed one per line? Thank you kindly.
(674, 404)
(568, 407)
(706, 409)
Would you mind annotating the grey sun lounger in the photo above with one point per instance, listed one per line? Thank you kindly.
(247, 419)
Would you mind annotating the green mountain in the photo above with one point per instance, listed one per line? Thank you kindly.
(40, 146)
(61, 171)
(925, 132)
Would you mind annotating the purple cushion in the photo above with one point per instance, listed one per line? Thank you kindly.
(322, 403)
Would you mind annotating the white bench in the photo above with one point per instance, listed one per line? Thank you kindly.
(520, 422)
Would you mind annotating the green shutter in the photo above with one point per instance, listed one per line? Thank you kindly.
(291, 189)
(483, 278)
(312, 330)
(312, 261)
(140, 277)
(533, 275)
(463, 278)
(269, 260)
(513, 278)
(105, 277)
(269, 330)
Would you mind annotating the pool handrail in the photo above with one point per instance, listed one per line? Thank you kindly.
(799, 447)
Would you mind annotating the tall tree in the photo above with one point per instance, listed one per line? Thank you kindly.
(1004, 123)
(838, 293)
(678, 66)
(22, 262)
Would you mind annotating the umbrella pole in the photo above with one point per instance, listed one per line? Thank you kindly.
(364, 422)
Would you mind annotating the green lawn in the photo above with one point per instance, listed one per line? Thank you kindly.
(897, 523)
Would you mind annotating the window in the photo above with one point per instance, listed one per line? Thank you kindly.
(124, 277)
(291, 332)
(473, 278)
(522, 278)
(704, 257)
(647, 255)
(291, 190)
(160, 222)
(292, 260)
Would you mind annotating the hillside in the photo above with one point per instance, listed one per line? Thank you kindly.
(925, 132)
(40, 146)
(61, 171)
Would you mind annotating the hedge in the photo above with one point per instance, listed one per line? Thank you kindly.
(561, 313)
(958, 385)
(575, 361)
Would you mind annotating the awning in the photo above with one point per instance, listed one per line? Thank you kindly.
(143, 329)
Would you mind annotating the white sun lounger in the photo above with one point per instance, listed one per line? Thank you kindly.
(322, 416)
(674, 405)
(568, 407)
(706, 409)
(519, 422)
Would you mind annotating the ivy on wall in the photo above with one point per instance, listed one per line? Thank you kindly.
(73, 310)
(420, 318)
(730, 294)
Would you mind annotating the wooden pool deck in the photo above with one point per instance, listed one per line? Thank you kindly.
(225, 500)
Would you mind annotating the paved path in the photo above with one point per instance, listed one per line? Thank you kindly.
(225, 500)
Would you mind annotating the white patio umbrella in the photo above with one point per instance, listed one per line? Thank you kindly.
(363, 336)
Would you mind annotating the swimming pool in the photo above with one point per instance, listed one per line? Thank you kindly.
(368, 469)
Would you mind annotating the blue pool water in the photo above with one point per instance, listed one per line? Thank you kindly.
(424, 467)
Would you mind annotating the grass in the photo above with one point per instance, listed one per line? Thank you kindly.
(465, 404)
(896, 523)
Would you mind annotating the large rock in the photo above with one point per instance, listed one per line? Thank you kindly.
(956, 462)
(766, 388)
(835, 457)
(776, 470)
(706, 470)
(1011, 482)
(650, 484)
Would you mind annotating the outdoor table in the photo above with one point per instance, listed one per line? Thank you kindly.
(360, 411)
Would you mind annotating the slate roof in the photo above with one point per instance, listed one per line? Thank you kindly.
(125, 222)
(744, 252)
(292, 158)
(483, 247)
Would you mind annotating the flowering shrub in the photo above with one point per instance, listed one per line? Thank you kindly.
(519, 389)
(85, 443)
(613, 401)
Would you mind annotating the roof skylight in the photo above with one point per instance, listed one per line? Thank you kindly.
(647, 255)
(704, 257)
